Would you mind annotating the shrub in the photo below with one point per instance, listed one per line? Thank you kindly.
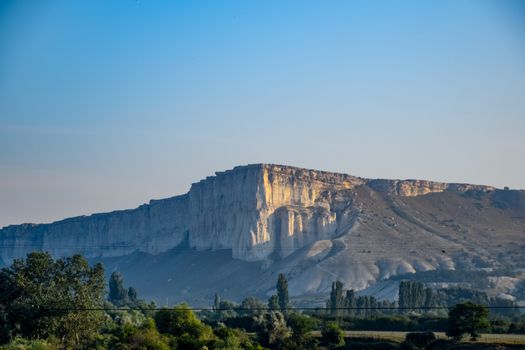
(418, 340)
(332, 335)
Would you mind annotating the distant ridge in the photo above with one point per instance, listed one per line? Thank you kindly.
(314, 225)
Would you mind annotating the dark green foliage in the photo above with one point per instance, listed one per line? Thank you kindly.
(216, 302)
(402, 323)
(301, 326)
(251, 306)
(413, 295)
(467, 318)
(366, 305)
(120, 296)
(247, 323)
(350, 302)
(233, 339)
(475, 278)
(332, 335)
(117, 293)
(187, 330)
(132, 295)
(273, 303)
(336, 298)
(369, 344)
(271, 329)
(453, 296)
(499, 325)
(419, 340)
(146, 336)
(38, 298)
(179, 321)
(282, 292)
(517, 327)
(26, 344)
(227, 309)
(45, 292)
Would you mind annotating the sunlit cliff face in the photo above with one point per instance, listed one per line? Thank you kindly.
(315, 226)
(258, 211)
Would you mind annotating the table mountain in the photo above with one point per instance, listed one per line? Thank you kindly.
(233, 232)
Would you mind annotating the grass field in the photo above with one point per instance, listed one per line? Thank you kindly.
(400, 336)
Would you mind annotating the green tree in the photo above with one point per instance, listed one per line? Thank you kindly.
(413, 295)
(117, 293)
(273, 303)
(227, 309)
(404, 294)
(332, 335)
(252, 306)
(272, 329)
(336, 298)
(216, 302)
(467, 318)
(361, 305)
(429, 298)
(187, 330)
(282, 292)
(132, 295)
(302, 326)
(350, 302)
(43, 298)
(26, 344)
(233, 339)
(146, 336)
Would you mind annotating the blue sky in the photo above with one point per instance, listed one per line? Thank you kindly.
(107, 104)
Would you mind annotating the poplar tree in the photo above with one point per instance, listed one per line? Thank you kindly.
(118, 295)
(336, 298)
(350, 302)
(282, 292)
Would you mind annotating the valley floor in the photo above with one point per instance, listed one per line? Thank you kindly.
(487, 338)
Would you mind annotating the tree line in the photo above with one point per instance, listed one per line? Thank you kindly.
(413, 297)
(62, 304)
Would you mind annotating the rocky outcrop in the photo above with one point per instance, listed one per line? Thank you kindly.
(258, 211)
(411, 188)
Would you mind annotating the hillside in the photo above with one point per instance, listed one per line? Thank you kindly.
(233, 232)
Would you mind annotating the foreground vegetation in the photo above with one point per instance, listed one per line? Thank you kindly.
(62, 304)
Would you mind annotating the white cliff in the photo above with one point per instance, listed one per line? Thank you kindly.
(258, 211)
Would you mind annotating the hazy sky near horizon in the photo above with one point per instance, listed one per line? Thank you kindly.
(107, 104)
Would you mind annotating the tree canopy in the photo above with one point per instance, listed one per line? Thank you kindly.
(42, 297)
(282, 292)
(467, 318)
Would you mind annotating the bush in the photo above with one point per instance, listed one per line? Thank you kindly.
(418, 340)
(233, 339)
(187, 331)
(332, 335)
(24, 344)
(272, 329)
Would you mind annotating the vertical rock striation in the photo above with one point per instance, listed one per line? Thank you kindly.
(258, 211)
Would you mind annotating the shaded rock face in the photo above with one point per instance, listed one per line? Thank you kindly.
(315, 226)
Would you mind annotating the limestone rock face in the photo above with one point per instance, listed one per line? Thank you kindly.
(258, 211)
(150, 228)
(255, 210)
(411, 188)
(232, 233)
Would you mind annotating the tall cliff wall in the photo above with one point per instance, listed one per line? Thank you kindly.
(258, 211)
